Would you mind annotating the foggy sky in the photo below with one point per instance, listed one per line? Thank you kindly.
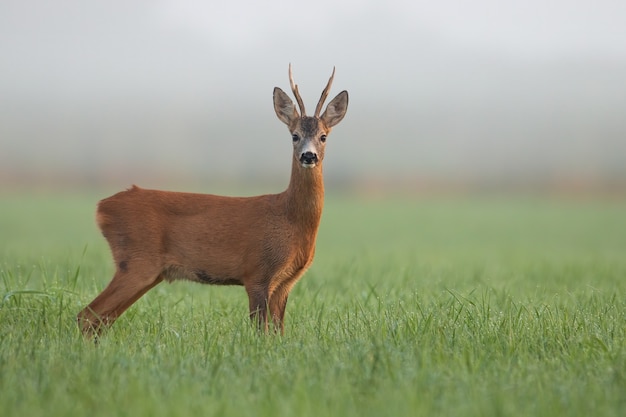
(479, 92)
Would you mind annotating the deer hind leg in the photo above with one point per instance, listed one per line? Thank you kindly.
(125, 288)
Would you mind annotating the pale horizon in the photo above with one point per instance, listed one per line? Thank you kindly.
(480, 94)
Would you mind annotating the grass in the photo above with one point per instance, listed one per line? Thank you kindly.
(438, 306)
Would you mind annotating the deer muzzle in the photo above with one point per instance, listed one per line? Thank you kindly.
(308, 159)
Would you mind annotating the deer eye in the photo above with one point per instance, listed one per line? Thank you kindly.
(323, 138)
(295, 137)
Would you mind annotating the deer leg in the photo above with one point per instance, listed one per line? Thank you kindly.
(124, 289)
(278, 303)
(258, 300)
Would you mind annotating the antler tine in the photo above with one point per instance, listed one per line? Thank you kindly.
(318, 109)
(296, 93)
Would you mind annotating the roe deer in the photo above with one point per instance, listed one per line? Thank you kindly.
(264, 243)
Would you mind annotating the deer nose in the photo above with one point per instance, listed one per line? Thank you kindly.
(308, 158)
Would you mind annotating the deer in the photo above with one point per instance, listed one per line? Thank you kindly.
(264, 243)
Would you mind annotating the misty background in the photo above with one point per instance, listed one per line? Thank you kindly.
(456, 94)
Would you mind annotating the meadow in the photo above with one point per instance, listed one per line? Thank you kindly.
(422, 306)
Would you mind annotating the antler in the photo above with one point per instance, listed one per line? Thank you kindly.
(296, 93)
(318, 109)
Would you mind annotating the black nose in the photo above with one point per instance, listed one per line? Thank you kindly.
(308, 158)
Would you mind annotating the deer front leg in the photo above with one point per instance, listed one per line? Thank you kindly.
(278, 303)
(258, 300)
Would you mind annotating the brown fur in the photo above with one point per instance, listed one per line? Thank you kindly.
(264, 243)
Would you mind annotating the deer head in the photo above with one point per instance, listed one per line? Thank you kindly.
(309, 132)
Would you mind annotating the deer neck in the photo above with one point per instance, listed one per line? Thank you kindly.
(304, 198)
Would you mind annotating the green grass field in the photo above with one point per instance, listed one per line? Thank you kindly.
(477, 306)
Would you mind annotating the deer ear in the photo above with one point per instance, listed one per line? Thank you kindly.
(336, 109)
(285, 110)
